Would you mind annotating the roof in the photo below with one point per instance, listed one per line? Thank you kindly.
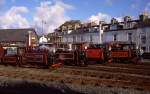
(14, 35)
(139, 24)
(83, 31)
(120, 29)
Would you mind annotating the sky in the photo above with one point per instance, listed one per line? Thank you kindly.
(47, 15)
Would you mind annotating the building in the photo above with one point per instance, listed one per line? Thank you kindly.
(129, 30)
(18, 37)
(137, 31)
(55, 38)
(82, 35)
(73, 34)
(88, 33)
(70, 25)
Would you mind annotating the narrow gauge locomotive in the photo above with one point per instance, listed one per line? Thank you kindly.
(111, 52)
(21, 56)
(122, 52)
(95, 53)
(74, 57)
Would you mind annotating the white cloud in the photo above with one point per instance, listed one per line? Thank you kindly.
(15, 10)
(13, 18)
(52, 16)
(46, 3)
(119, 19)
(102, 17)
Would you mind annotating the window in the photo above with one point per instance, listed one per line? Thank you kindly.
(90, 38)
(115, 37)
(113, 27)
(74, 38)
(130, 37)
(143, 48)
(33, 38)
(143, 39)
(81, 38)
(11, 51)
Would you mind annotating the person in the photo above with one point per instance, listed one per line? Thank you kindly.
(82, 58)
(141, 53)
(79, 58)
(109, 48)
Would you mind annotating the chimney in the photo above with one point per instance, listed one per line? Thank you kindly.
(127, 18)
(143, 16)
(114, 21)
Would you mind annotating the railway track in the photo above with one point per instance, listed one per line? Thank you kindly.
(81, 80)
(135, 66)
(135, 77)
(115, 69)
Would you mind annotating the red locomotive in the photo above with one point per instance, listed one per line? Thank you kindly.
(75, 57)
(25, 56)
(122, 52)
(95, 53)
(107, 52)
(35, 56)
(9, 56)
(112, 52)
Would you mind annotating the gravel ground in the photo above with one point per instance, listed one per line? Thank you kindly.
(19, 86)
(32, 81)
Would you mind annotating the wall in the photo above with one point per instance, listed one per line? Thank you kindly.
(85, 36)
(122, 35)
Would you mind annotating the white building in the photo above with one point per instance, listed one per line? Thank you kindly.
(137, 31)
(88, 35)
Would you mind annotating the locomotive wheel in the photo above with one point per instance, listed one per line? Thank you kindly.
(135, 60)
(110, 60)
(83, 63)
